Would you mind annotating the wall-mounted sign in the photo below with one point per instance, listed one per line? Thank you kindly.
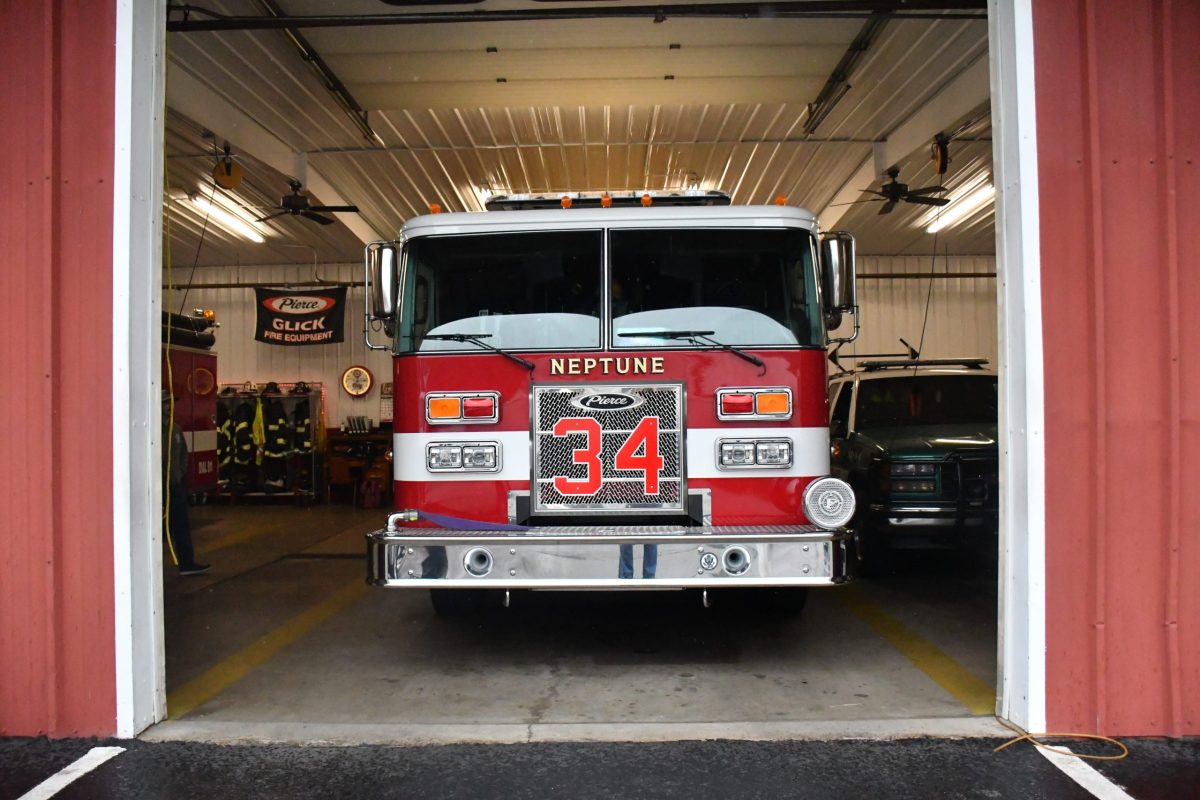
(287, 317)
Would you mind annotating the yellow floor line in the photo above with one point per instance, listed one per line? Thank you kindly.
(967, 688)
(217, 679)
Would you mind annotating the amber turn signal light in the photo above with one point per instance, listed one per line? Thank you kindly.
(445, 408)
(771, 403)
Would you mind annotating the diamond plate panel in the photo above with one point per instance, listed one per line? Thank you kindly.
(621, 491)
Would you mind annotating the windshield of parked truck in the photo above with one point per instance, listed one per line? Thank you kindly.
(745, 286)
(925, 400)
(548, 290)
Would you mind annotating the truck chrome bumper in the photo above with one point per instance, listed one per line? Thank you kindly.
(592, 557)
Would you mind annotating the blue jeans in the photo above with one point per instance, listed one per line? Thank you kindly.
(649, 561)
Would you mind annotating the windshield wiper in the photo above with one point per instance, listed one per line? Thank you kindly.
(474, 338)
(697, 338)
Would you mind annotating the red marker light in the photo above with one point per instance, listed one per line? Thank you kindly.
(475, 407)
(737, 404)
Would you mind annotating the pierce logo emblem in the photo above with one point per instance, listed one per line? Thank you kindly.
(296, 304)
(607, 401)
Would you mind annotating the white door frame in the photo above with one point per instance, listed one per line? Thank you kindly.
(1022, 623)
(137, 284)
(138, 124)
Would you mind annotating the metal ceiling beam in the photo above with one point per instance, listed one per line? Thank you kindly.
(839, 80)
(180, 17)
(195, 100)
(325, 75)
(969, 90)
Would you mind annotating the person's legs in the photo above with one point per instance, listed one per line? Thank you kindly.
(649, 560)
(625, 566)
(179, 527)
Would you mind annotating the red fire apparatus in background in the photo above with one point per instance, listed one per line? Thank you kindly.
(611, 393)
(189, 367)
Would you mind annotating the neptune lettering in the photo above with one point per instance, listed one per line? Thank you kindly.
(609, 365)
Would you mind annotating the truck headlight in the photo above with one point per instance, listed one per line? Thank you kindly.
(912, 470)
(751, 453)
(829, 502)
(774, 454)
(737, 454)
(479, 456)
(462, 457)
(441, 457)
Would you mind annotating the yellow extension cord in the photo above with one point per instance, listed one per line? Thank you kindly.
(170, 427)
(1035, 740)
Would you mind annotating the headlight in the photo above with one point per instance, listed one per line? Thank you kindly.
(462, 457)
(754, 453)
(481, 456)
(912, 470)
(441, 457)
(829, 502)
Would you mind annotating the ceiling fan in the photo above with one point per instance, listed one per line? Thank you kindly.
(299, 205)
(894, 192)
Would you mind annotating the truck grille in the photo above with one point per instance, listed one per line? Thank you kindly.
(618, 491)
(973, 480)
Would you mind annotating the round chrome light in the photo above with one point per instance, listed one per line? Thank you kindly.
(829, 502)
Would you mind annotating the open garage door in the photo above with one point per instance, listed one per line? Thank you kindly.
(407, 108)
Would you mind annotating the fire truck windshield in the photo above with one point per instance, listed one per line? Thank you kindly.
(745, 286)
(522, 291)
(546, 290)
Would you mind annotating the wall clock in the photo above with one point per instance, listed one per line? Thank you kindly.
(357, 380)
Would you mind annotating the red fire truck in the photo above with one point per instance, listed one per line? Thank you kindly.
(611, 393)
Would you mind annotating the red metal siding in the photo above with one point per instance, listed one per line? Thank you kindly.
(56, 552)
(1116, 85)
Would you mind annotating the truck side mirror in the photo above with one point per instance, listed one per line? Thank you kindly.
(837, 278)
(383, 285)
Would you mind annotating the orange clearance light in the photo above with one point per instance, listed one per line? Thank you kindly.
(737, 403)
(209, 314)
(565, 202)
(647, 200)
(445, 408)
(781, 200)
(434, 208)
(771, 403)
(479, 407)
(606, 200)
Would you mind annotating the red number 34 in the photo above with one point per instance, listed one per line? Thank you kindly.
(638, 453)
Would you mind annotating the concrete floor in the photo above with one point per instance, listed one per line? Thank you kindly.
(281, 641)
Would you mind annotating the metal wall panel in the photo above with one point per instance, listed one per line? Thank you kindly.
(57, 653)
(240, 358)
(1120, 205)
(961, 318)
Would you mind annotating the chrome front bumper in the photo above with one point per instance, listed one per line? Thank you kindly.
(589, 557)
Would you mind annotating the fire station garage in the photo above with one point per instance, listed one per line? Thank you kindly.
(414, 491)
(292, 146)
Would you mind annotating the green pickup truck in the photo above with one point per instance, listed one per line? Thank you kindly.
(917, 442)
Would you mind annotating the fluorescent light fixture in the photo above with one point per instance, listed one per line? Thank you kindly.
(230, 204)
(962, 207)
(226, 219)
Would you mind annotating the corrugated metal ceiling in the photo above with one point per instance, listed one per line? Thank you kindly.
(584, 105)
